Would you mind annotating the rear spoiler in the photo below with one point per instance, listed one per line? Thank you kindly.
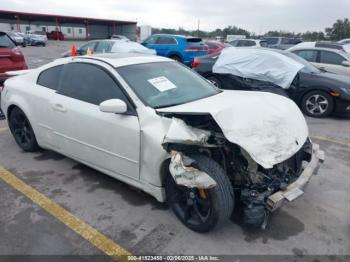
(18, 72)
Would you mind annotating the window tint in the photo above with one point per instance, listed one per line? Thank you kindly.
(272, 40)
(286, 41)
(104, 47)
(150, 40)
(249, 43)
(263, 43)
(88, 83)
(164, 40)
(234, 43)
(50, 77)
(309, 55)
(331, 58)
(85, 47)
(5, 41)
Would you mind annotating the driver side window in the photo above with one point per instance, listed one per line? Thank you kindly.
(89, 83)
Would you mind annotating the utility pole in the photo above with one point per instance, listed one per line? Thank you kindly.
(198, 27)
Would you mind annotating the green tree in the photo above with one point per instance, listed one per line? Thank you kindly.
(340, 30)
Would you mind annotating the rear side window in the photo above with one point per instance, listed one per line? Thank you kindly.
(331, 58)
(263, 44)
(249, 43)
(104, 47)
(309, 55)
(50, 77)
(5, 41)
(163, 40)
(89, 83)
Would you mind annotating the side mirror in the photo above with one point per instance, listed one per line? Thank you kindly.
(345, 63)
(115, 106)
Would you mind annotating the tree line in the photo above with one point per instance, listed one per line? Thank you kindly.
(339, 30)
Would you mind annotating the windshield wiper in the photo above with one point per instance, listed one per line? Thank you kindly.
(169, 105)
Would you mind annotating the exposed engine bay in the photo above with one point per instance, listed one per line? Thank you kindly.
(252, 183)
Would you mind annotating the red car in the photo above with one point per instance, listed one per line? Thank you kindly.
(214, 46)
(11, 59)
(55, 35)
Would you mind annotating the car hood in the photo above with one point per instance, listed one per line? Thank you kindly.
(269, 127)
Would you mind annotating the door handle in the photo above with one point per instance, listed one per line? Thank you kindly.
(59, 108)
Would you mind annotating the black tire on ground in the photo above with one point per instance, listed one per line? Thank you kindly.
(202, 215)
(214, 80)
(22, 130)
(317, 103)
(176, 58)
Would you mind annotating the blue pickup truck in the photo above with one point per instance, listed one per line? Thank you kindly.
(178, 47)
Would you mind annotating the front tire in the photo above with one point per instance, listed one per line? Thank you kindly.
(202, 211)
(22, 130)
(317, 104)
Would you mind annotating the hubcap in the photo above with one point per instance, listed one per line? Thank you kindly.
(190, 206)
(215, 83)
(21, 129)
(317, 104)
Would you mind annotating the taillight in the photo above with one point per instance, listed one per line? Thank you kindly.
(194, 48)
(17, 51)
(195, 62)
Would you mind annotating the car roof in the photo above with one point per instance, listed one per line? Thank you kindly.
(182, 36)
(123, 59)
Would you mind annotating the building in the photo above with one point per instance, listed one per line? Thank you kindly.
(72, 27)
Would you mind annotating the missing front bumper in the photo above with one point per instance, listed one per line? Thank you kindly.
(295, 189)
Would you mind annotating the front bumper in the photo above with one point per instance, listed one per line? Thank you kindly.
(295, 189)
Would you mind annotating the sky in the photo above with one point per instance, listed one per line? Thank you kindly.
(257, 16)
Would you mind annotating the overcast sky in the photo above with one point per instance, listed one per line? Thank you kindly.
(258, 16)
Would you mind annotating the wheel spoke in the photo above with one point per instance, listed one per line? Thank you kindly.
(198, 212)
(187, 212)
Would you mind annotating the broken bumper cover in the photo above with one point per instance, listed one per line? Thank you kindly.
(295, 189)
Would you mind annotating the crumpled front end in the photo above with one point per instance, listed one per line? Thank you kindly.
(261, 190)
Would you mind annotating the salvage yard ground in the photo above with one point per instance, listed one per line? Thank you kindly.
(316, 224)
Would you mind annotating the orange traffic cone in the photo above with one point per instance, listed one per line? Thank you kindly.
(73, 51)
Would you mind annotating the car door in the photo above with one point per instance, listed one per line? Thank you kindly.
(106, 141)
(164, 45)
(309, 55)
(150, 42)
(332, 62)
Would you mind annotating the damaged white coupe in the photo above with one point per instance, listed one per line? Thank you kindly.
(155, 124)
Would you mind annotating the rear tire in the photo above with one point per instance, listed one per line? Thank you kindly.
(317, 104)
(22, 130)
(176, 58)
(198, 213)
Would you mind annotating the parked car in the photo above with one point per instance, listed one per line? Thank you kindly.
(249, 43)
(322, 44)
(344, 41)
(157, 125)
(327, 59)
(214, 46)
(316, 92)
(177, 47)
(55, 35)
(11, 58)
(40, 34)
(25, 37)
(111, 46)
(19, 40)
(281, 42)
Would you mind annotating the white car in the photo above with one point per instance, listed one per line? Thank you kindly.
(157, 125)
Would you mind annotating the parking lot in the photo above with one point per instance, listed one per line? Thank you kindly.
(316, 224)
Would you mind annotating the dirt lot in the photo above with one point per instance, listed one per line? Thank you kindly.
(318, 223)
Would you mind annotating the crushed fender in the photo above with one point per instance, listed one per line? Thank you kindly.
(181, 133)
(186, 175)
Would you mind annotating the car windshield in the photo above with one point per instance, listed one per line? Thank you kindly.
(308, 67)
(166, 84)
